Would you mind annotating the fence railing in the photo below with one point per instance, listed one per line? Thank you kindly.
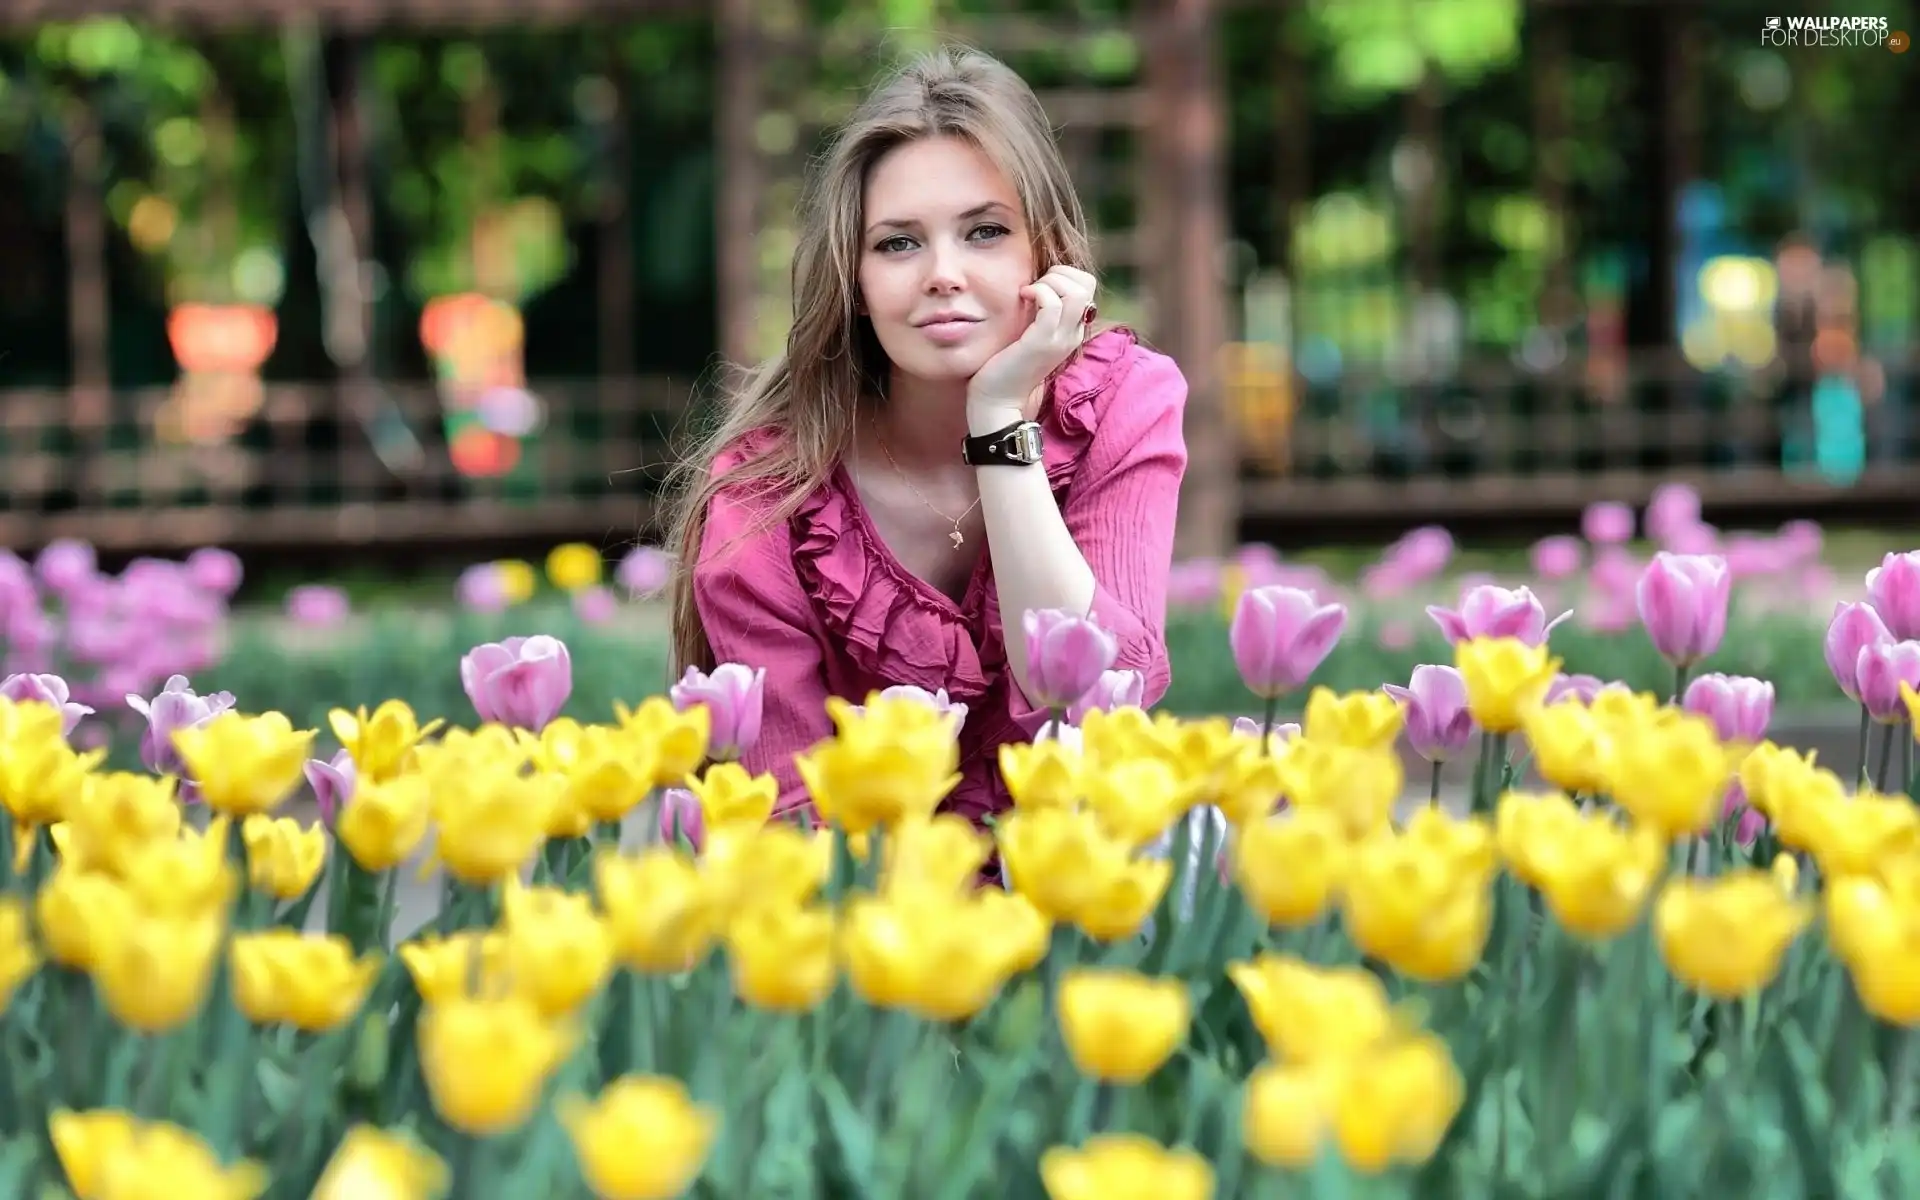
(325, 464)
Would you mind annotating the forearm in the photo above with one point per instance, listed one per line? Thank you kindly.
(1036, 563)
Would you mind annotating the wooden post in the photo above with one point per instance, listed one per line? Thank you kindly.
(741, 179)
(615, 294)
(88, 306)
(1186, 136)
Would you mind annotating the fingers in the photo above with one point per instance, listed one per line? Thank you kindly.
(1048, 309)
(1075, 289)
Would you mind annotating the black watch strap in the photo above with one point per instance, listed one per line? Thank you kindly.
(1018, 445)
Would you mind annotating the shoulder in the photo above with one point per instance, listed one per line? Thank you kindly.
(745, 529)
(1118, 381)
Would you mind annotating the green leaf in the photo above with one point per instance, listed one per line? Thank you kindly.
(1793, 1077)
(852, 1135)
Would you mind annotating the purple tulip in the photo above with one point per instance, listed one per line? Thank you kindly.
(644, 571)
(66, 564)
(176, 707)
(523, 682)
(480, 589)
(733, 696)
(1607, 523)
(1438, 723)
(596, 605)
(1280, 636)
(1576, 687)
(1882, 668)
(1673, 510)
(1489, 611)
(1893, 588)
(1557, 557)
(680, 815)
(50, 690)
(1066, 655)
(1682, 600)
(1422, 554)
(1854, 627)
(215, 570)
(1748, 821)
(1116, 689)
(332, 783)
(1739, 706)
(317, 606)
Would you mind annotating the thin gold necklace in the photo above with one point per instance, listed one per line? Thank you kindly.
(956, 537)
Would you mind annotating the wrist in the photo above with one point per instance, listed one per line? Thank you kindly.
(991, 416)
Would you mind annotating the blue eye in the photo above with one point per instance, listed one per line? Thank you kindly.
(990, 231)
(895, 244)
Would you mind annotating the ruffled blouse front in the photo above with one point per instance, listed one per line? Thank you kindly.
(826, 607)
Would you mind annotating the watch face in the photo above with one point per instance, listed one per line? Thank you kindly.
(1026, 444)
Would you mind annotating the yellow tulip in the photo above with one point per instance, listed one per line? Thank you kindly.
(245, 764)
(573, 566)
(1875, 930)
(1524, 821)
(783, 957)
(29, 723)
(1138, 801)
(940, 956)
(486, 1060)
(283, 860)
(607, 770)
(19, 958)
(1466, 842)
(471, 962)
(558, 950)
(1596, 880)
(154, 972)
(1725, 937)
(943, 854)
(1251, 788)
(1200, 751)
(728, 795)
(1425, 916)
(159, 1161)
(1120, 1026)
(1620, 711)
(678, 740)
(1505, 679)
(1124, 1166)
(1397, 1103)
(1360, 787)
(743, 865)
(1306, 1013)
(1849, 836)
(491, 824)
(381, 744)
(39, 779)
(1363, 720)
(1911, 699)
(1042, 774)
(75, 911)
(373, 1164)
(1107, 738)
(285, 977)
(1786, 872)
(896, 760)
(659, 909)
(1288, 1112)
(384, 823)
(1671, 774)
(517, 579)
(188, 875)
(85, 1142)
(1289, 866)
(489, 748)
(643, 1138)
(1074, 871)
(116, 813)
(1570, 746)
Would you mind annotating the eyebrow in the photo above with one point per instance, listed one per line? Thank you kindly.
(978, 210)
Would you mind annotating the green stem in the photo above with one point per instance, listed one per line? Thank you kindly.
(1266, 725)
(1681, 671)
(1433, 790)
(1886, 758)
(1860, 756)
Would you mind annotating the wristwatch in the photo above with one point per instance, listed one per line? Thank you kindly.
(1018, 445)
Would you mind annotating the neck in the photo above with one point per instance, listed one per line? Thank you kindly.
(924, 421)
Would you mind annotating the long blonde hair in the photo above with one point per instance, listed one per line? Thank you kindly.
(809, 395)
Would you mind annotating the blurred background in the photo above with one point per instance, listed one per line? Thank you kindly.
(369, 291)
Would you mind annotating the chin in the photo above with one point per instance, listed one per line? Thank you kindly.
(942, 364)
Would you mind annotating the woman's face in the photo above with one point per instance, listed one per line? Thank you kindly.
(944, 254)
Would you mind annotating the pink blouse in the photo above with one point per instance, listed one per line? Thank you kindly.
(821, 602)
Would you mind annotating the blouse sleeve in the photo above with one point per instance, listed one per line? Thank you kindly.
(755, 613)
(1121, 507)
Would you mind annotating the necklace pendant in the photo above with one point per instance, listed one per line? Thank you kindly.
(958, 538)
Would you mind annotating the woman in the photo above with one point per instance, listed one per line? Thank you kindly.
(946, 444)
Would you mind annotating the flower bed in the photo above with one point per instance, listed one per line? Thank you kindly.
(1219, 965)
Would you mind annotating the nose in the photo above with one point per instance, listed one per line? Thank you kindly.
(945, 274)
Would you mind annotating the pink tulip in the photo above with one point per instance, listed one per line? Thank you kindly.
(681, 816)
(596, 605)
(1674, 508)
(1277, 737)
(480, 589)
(1682, 600)
(1423, 553)
(1739, 706)
(1557, 557)
(644, 571)
(1280, 636)
(1489, 611)
(937, 700)
(1194, 583)
(1802, 540)
(174, 708)
(1735, 808)
(66, 564)
(317, 606)
(332, 783)
(215, 570)
(1395, 634)
(1582, 688)
(1882, 668)
(734, 697)
(1116, 689)
(1438, 723)
(523, 682)
(1607, 523)
(1893, 588)
(50, 690)
(1066, 655)
(1854, 627)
